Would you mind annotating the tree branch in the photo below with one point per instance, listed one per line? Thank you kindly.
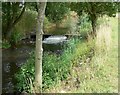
(20, 16)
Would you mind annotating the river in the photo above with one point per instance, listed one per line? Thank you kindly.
(14, 58)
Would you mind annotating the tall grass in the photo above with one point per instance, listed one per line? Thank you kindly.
(103, 39)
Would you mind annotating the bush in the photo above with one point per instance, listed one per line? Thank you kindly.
(27, 23)
(70, 22)
(85, 25)
(26, 71)
(46, 23)
(5, 44)
(15, 37)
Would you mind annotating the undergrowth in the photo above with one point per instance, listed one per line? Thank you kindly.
(56, 68)
(5, 44)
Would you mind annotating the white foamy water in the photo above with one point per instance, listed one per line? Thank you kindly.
(54, 39)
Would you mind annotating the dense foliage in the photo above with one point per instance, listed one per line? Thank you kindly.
(55, 11)
(11, 15)
(95, 10)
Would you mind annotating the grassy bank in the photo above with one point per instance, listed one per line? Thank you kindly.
(100, 74)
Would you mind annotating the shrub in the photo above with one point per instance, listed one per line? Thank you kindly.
(85, 25)
(46, 23)
(26, 71)
(5, 44)
(70, 22)
(15, 37)
(27, 23)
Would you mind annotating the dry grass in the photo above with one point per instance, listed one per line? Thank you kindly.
(103, 39)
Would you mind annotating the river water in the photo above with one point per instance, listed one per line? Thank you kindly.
(12, 59)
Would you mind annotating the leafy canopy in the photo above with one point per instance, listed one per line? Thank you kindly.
(97, 8)
(55, 11)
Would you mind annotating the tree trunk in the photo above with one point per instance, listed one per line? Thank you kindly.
(94, 24)
(39, 50)
(12, 21)
(57, 24)
(93, 18)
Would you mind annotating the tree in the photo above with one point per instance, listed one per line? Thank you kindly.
(55, 11)
(95, 10)
(118, 5)
(12, 12)
(39, 50)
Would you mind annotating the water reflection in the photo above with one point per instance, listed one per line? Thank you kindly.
(6, 67)
(12, 60)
